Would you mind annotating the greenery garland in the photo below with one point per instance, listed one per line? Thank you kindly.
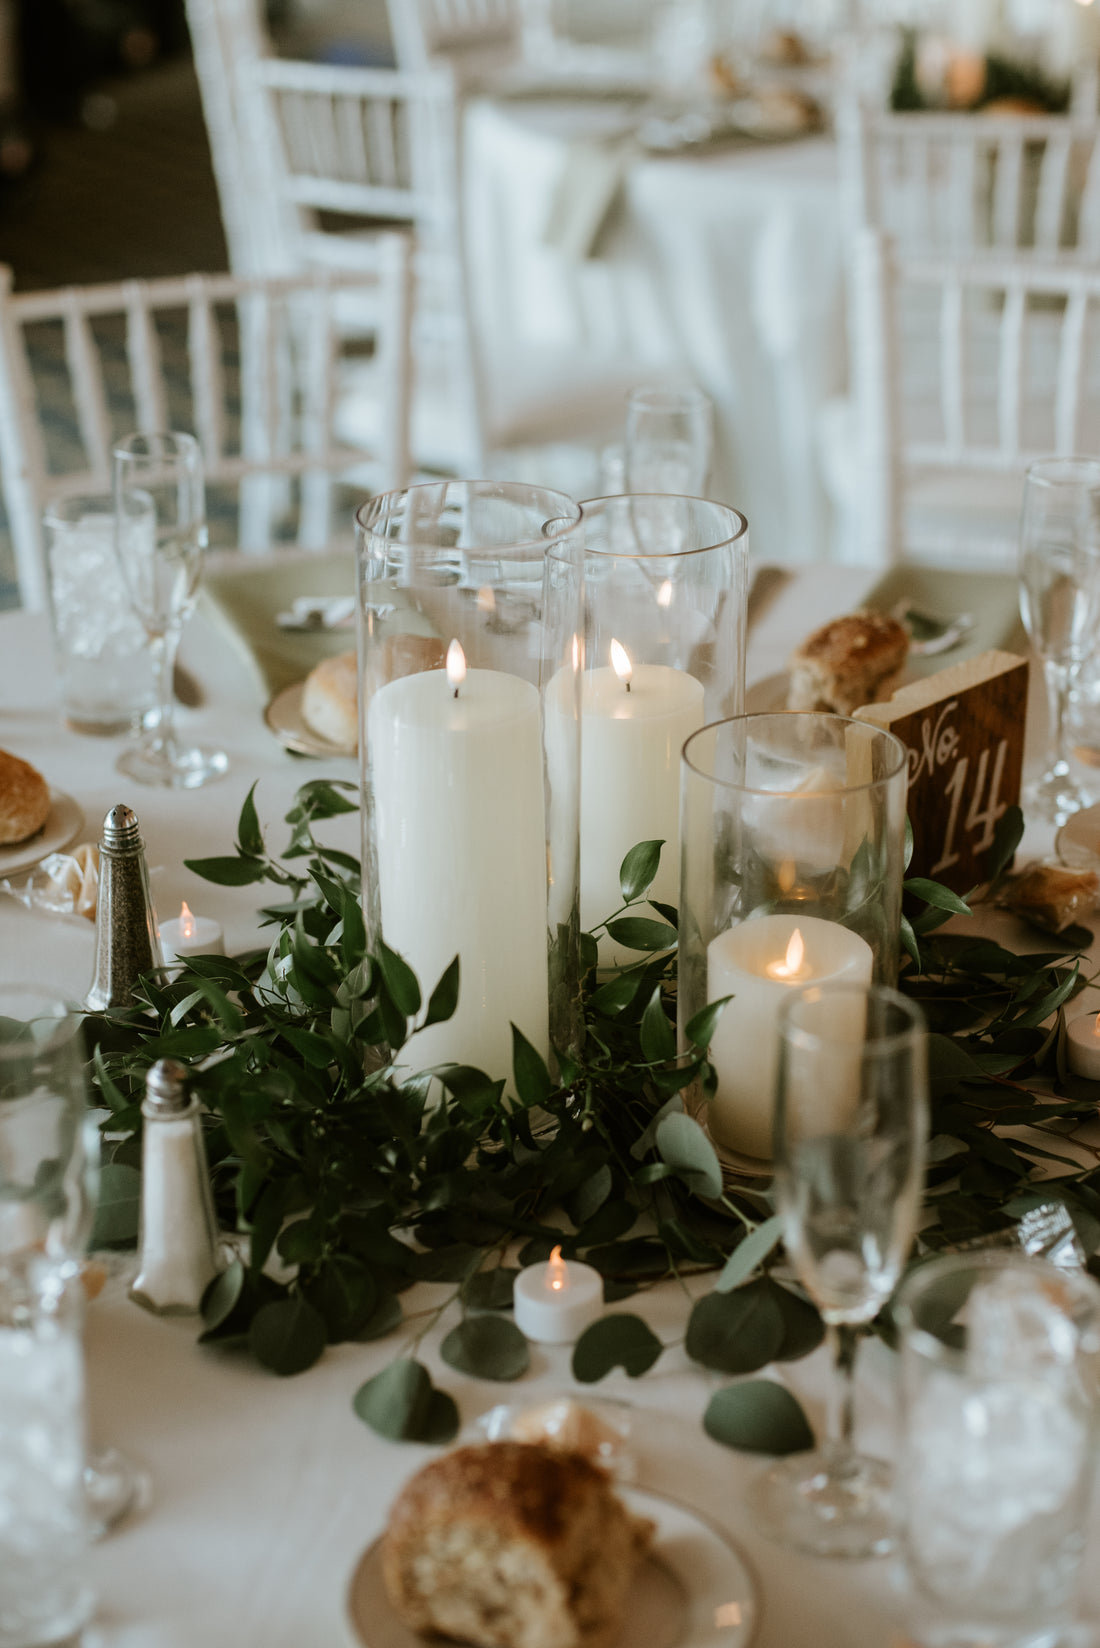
(352, 1179)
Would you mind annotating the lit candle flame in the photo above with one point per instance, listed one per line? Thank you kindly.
(576, 653)
(791, 965)
(664, 594)
(620, 663)
(187, 922)
(456, 666)
(557, 1272)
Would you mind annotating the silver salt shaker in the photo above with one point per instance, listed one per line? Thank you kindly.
(179, 1254)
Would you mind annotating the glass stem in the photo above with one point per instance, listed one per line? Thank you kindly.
(840, 1433)
(164, 648)
(1058, 678)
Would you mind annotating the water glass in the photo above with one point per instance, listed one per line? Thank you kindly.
(103, 663)
(1060, 604)
(851, 1123)
(668, 441)
(1000, 1357)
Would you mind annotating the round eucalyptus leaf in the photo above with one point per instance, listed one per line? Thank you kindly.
(488, 1347)
(398, 1403)
(346, 1295)
(616, 1341)
(803, 1329)
(682, 1143)
(441, 1424)
(223, 1296)
(118, 1206)
(386, 1316)
(736, 1332)
(491, 1289)
(287, 1336)
(758, 1416)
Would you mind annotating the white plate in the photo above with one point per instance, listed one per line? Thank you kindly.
(63, 822)
(695, 1590)
(284, 716)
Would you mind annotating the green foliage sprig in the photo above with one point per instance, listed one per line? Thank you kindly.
(348, 1178)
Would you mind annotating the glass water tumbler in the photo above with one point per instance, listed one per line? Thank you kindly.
(666, 587)
(793, 837)
(470, 653)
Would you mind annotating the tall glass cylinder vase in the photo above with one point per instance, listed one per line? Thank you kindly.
(469, 631)
(793, 832)
(666, 587)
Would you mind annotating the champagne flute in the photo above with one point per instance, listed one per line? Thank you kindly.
(160, 531)
(668, 441)
(1060, 603)
(49, 1176)
(850, 1129)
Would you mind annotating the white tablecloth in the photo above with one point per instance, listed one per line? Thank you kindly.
(725, 265)
(265, 1491)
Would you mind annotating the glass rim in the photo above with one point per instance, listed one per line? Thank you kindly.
(52, 1008)
(662, 396)
(1079, 470)
(941, 1266)
(731, 785)
(156, 444)
(593, 507)
(807, 1040)
(384, 506)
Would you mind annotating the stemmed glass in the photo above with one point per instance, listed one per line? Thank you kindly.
(49, 1171)
(668, 441)
(160, 539)
(1060, 602)
(850, 1130)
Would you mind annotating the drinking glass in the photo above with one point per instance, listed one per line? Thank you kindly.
(668, 441)
(999, 1363)
(1060, 603)
(161, 535)
(850, 1131)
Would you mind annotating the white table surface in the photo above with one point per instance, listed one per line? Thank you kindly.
(266, 1491)
(724, 265)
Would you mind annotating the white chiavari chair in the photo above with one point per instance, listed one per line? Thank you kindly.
(945, 433)
(477, 37)
(249, 364)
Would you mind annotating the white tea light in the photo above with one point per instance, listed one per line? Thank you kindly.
(1083, 1045)
(555, 1302)
(190, 935)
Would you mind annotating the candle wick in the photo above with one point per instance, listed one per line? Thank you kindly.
(628, 686)
(456, 692)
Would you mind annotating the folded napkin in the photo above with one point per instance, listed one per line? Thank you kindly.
(992, 598)
(242, 595)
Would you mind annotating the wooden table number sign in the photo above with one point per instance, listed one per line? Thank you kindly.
(964, 730)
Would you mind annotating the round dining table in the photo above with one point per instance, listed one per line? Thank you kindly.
(265, 1492)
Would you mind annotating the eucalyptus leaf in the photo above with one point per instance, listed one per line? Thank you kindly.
(386, 1316)
(287, 1336)
(488, 1347)
(758, 1416)
(638, 869)
(615, 1341)
(682, 1143)
(118, 1206)
(750, 1252)
(490, 1289)
(402, 1404)
(735, 1332)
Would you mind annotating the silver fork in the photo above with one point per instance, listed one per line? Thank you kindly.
(929, 633)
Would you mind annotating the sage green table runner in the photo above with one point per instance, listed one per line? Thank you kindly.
(992, 598)
(242, 595)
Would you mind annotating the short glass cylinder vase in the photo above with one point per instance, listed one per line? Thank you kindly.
(793, 846)
(470, 619)
(666, 588)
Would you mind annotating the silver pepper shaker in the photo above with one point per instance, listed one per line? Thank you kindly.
(126, 940)
(179, 1254)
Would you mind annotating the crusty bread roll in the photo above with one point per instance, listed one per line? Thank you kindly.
(24, 799)
(847, 663)
(512, 1545)
(330, 703)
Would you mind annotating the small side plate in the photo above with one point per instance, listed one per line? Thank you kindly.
(695, 1589)
(63, 823)
(284, 716)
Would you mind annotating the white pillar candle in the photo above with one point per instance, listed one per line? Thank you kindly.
(555, 1302)
(190, 935)
(759, 963)
(461, 841)
(634, 721)
(1083, 1045)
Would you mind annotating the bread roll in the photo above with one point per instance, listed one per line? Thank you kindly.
(848, 663)
(512, 1545)
(330, 696)
(24, 799)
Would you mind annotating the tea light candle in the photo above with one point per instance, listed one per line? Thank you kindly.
(555, 1302)
(190, 935)
(1083, 1045)
(759, 963)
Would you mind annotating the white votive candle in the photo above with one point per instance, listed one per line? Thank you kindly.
(555, 1302)
(190, 935)
(759, 963)
(1083, 1045)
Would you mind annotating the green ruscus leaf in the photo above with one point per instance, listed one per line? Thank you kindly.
(638, 869)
